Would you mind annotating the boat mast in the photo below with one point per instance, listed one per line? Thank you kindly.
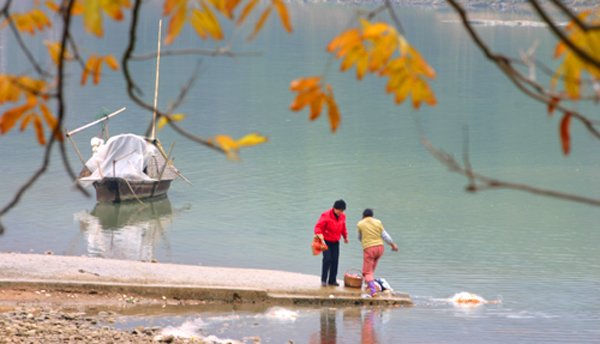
(156, 88)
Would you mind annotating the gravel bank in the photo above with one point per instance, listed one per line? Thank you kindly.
(47, 325)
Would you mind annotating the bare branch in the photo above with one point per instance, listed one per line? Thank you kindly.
(131, 85)
(218, 52)
(582, 54)
(491, 183)
(583, 26)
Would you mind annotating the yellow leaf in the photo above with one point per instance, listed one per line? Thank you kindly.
(88, 68)
(39, 129)
(361, 65)
(92, 18)
(111, 61)
(230, 6)
(403, 91)
(176, 24)
(351, 58)
(419, 63)
(283, 14)
(211, 23)
(572, 75)
(164, 120)
(374, 30)
(229, 146)
(52, 6)
(260, 23)
(559, 71)
(251, 140)
(249, 7)
(196, 22)
(40, 19)
(112, 8)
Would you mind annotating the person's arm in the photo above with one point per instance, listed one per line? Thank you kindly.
(320, 226)
(388, 239)
(358, 234)
(345, 232)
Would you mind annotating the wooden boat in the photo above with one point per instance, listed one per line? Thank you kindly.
(128, 168)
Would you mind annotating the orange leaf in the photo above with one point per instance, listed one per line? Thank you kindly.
(334, 114)
(283, 14)
(561, 47)
(246, 11)
(553, 102)
(251, 140)
(347, 37)
(565, 133)
(211, 23)
(52, 6)
(304, 98)
(11, 117)
(52, 122)
(361, 65)
(26, 121)
(111, 61)
(40, 19)
(196, 21)
(113, 8)
(260, 23)
(88, 68)
(170, 5)
(374, 30)
(39, 129)
(302, 84)
(96, 70)
(316, 106)
(176, 24)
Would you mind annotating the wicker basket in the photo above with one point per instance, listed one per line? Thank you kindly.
(353, 282)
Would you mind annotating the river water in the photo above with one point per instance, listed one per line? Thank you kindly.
(539, 256)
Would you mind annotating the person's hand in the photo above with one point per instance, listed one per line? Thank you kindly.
(320, 236)
(394, 247)
(345, 240)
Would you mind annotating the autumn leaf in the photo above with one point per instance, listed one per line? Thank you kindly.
(89, 67)
(111, 61)
(177, 22)
(54, 49)
(39, 129)
(92, 17)
(229, 146)
(259, 24)
(251, 140)
(178, 117)
(565, 133)
(249, 7)
(283, 14)
(553, 102)
(10, 117)
(310, 92)
(52, 122)
(333, 112)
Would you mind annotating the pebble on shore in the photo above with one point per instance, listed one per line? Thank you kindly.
(46, 325)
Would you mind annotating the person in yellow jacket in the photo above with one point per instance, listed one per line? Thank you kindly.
(372, 235)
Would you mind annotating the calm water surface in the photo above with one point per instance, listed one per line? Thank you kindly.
(539, 255)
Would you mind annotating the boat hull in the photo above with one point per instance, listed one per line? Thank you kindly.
(117, 190)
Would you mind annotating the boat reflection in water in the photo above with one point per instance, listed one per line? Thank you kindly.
(125, 230)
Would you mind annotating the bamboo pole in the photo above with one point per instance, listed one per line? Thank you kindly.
(163, 169)
(156, 88)
(94, 122)
(74, 145)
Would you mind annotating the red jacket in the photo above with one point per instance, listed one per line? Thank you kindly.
(330, 227)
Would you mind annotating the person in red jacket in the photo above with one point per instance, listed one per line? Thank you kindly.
(330, 227)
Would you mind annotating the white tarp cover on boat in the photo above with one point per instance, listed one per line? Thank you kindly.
(141, 154)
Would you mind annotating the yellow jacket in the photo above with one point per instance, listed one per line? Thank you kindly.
(369, 231)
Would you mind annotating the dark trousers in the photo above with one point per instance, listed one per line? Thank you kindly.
(330, 262)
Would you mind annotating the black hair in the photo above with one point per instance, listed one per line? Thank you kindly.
(368, 212)
(339, 204)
